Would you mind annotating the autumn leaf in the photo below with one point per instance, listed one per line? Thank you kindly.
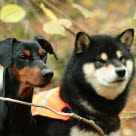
(86, 13)
(48, 12)
(12, 13)
(57, 26)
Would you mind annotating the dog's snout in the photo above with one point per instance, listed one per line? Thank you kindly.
(47, 73)
(121, 72)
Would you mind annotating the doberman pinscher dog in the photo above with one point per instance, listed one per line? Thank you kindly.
(24, 68)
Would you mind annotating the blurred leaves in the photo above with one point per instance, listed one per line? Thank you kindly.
(87, 3)
(48, 12)
(12, 13)
(86, 13)
(57, 26)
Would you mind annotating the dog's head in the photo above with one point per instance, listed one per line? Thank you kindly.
(104, 62)
(26, 60)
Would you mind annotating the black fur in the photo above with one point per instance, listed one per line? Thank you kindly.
(74, 86)
(16, 119)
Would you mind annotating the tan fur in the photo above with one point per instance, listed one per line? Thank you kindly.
(102, 79)
(24, 91)
(129, 66)
(75, 131)
(119, 54)
(85, 104)
(40, 51)
(27, 53)
(29, 75)
(104, 56)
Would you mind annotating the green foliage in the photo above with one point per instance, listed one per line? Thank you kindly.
(58, 37)
(86, 13)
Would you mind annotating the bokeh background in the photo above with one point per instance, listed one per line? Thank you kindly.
(59, 20)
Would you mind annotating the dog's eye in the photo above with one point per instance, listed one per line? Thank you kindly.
(122, 59)
(22, 57)
(101, 60)
(43, 57)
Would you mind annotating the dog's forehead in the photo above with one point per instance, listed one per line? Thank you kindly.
(106, 43)
(106, 47)
(30, 45)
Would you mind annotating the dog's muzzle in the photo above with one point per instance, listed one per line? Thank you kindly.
(47, 74)
(120, 72)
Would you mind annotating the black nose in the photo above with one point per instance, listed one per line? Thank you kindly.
(47, 74)
(121, 72)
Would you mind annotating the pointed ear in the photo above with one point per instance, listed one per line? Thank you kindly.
(126, 38)
(6, 52)
(45, 45)
(82, 42)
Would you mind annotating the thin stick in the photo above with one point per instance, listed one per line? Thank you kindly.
(90, 122)
(128, 112)
(128, 117)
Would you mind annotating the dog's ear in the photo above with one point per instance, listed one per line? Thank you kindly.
(82, 42)
(126, 37)
(45, 45)
(6, 52)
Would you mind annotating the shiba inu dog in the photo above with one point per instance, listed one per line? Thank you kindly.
(95, 85)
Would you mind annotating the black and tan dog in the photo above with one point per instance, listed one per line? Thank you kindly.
(95, 85)
(24, 68)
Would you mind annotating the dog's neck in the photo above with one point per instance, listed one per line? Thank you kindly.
(79, 95)
(83, 97)
(16, 112)
(14, 89)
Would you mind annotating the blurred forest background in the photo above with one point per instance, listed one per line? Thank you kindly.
(59, 20)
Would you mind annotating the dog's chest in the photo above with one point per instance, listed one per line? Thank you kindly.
(75, 131)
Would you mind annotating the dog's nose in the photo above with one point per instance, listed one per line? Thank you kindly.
(47, 73)
(121, 72)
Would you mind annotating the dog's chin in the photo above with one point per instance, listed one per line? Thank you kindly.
(39, 85)
(114, 82)
(118, 81)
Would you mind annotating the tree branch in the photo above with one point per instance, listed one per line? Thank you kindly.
(37, 6)
(127, 115)
(79, 118)
(62, 14)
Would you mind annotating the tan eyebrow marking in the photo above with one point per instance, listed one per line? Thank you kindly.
(104, 56)
(27, 53)
(40, 51)
(119, 54)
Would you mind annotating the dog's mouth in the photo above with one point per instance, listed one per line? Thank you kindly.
(119, 81)
(40, 85)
